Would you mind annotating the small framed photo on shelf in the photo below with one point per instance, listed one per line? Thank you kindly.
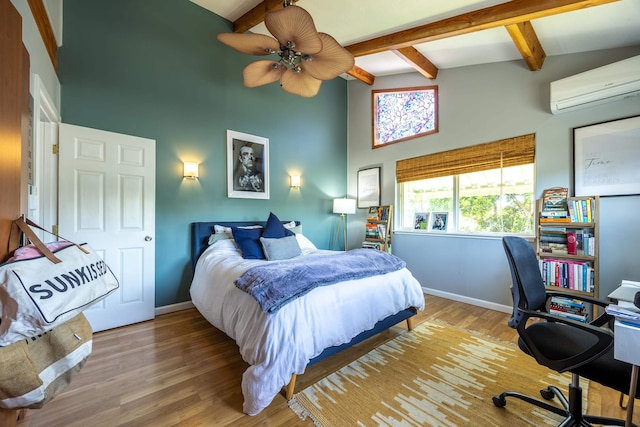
(421, 221)
(438, 221)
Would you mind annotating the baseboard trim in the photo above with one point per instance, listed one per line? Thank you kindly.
(467, 300)
(455, 297)
(173, 307)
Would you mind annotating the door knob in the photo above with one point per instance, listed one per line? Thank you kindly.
(148, 238)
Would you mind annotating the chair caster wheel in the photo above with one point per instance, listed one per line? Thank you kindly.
(546, 394)
(499, 401)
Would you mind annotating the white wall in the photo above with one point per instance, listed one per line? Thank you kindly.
(39, 58)
(484, 103)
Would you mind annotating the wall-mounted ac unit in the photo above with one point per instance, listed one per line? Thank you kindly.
(604, 84)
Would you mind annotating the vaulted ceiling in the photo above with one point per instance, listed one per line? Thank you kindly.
(426, 36)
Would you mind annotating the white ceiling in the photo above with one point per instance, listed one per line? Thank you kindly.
(605, 26)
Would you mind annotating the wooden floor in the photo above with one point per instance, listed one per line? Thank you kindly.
(178, 370)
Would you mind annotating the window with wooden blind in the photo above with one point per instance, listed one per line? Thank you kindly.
(487, 188)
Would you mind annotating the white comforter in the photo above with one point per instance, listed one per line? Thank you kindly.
(280, 344)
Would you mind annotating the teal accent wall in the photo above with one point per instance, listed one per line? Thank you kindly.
(156, 70)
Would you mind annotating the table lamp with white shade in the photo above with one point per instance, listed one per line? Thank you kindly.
(343, 207)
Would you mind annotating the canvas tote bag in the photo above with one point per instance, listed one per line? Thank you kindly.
(38, 293)
(35, 370)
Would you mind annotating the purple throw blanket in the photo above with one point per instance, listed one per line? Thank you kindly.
(275, 284)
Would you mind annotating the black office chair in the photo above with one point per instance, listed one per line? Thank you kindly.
(584, 349)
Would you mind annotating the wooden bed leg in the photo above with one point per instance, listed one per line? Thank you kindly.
(10, 417)
(290, 387)
(410, 323)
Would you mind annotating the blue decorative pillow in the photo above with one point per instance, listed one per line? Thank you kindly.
(282, 248)
(248, 240)
(274, 228)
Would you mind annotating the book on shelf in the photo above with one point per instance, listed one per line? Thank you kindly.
(555, 199)
(554, 214)
(554, 219)
(382, 231)
(553, 237)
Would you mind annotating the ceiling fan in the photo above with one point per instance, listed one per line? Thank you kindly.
(306, 56)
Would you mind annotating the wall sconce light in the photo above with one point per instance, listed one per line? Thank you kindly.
(295, 181)
(190, 170)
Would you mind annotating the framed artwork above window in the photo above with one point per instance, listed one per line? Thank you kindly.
(403, 114)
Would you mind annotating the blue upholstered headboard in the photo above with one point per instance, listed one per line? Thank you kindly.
(200, 232)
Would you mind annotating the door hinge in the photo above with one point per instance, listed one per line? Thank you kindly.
(55, 148)
(54, 230)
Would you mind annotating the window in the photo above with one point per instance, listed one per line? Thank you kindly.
(402, 114)
(488, 188)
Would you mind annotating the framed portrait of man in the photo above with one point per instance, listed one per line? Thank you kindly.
(247, 166)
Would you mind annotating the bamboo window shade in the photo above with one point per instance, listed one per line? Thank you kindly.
(515, 151)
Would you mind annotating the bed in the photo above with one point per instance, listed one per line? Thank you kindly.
(280, 345)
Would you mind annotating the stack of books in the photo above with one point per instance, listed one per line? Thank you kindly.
(554, 241)
(372, 231)
(374, 245)
(568, 308)
(554, 205)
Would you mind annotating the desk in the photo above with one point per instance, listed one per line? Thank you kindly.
(626, 347)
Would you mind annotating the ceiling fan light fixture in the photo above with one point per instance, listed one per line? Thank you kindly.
(263, 72)
(293, 27)
(300, 83)
(251, 44)
(306, 56)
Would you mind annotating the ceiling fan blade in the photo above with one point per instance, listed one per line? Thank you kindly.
(330, 62)
(294, 24)
(300, 83)
(262, 72)
(251, 44)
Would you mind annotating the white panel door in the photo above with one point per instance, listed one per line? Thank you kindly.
(107, 199)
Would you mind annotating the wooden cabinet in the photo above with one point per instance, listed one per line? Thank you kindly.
(567, 247)
(378, 228)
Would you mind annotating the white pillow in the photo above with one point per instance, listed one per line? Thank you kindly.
(216, 237)
(305, 244)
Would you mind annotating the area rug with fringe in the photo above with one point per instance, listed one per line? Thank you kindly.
(434, 375)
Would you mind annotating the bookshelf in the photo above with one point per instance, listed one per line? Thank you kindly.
(378, 228)
(567, 245)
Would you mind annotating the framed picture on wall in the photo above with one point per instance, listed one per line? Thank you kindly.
(247, 166)
(403, 114)
(369, 187)
(606, 158)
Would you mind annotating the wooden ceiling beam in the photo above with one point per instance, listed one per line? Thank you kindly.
(418, 61)
(362, 75)
(501, 15)
(256, 15)
(526, 40)
(41, 17)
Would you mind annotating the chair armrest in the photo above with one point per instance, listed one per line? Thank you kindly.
(604, 341)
